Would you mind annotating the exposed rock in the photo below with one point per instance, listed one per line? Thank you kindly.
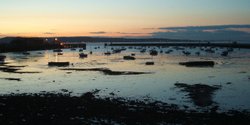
(107, 71)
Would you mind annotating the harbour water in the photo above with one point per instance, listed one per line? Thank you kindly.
(231, 73)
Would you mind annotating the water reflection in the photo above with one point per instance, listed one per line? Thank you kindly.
(160, 85)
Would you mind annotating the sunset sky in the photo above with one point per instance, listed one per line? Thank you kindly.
(116, 17)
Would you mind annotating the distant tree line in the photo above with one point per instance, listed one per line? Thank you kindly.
(27, 44)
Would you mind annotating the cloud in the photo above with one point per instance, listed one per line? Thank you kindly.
(127, 33)
(215, 32)
(99, 32)
(212, 27)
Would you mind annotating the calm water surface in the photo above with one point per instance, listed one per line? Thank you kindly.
(159, 85)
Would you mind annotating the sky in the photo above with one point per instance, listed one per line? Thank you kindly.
(115, 18)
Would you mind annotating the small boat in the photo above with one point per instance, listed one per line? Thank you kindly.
(60, 53)
(73, 49)
(132, 54)
(153, 53)
(118, 50)
(107, 53)
(59, 64)
(198, 63)
(128, 58)
(149, 63)
(186, 53)
(82, 55)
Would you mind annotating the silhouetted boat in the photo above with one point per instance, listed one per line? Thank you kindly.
(153, 53)
(119, 50)
(60, 53)
(82, 55)
(186, 53)
(149, 63)
(58, 64)
(107, 53)
(128, 58)
(198, 63)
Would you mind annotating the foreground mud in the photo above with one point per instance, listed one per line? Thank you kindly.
(56, 108)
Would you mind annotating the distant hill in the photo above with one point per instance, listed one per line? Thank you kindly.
(14, 44)
(6, 40)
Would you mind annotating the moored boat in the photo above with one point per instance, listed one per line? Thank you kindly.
(198, 63)
(82, 55)
(59, 64)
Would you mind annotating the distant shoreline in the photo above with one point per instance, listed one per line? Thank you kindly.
(20, 44)
(197, 44)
